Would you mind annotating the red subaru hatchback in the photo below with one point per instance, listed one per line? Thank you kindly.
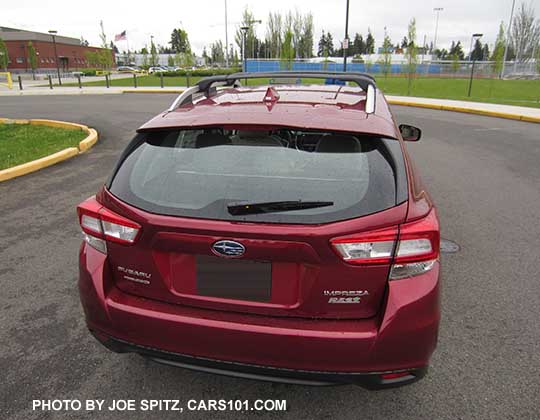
(273, 232)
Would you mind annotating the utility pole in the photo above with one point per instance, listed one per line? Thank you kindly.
(346, 40)
(507, 38)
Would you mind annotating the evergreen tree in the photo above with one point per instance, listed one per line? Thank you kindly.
(180, 41)
(476, 53)
(485, 52)
(370, 43)
(322, 45)
(358, 46)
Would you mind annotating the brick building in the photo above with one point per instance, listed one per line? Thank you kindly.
(71, 54)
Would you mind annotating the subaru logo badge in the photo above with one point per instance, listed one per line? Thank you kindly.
(229, 249)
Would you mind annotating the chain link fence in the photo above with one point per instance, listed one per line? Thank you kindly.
(447, 69)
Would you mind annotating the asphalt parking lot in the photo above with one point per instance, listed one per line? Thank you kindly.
(484, 176)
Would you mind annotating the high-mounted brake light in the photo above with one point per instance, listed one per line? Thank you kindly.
(412, 249)
(100, 224)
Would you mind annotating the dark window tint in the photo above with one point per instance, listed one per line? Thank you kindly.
(201, 173)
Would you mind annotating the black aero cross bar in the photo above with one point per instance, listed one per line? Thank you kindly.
(208, 85)
(363, 80)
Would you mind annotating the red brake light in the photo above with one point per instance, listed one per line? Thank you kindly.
(419, 240)
(100, 222)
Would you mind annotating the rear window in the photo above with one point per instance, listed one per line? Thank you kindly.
(204, 173)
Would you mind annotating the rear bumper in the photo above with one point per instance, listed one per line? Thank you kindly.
(372, 380)
(402, 338)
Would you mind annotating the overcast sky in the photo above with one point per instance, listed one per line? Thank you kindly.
(204, 19)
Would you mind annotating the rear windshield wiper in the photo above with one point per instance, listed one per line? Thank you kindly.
(275, 206)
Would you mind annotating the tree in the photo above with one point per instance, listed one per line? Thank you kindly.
(104, 57)
(525, 33)
(358, 46)
(485, 52)
(385, 62)
(32, 58)
(455, 63)
(144, 53)
(287, 50)
(273, 34)
(180, 41)
(476, 53)
(153, 54)
(170, 61)
(326, 45)
(498, 51)
(113, 47)
(411, 54)
(370, 43)
(248, 21)
(205, 56)
(404, 42)
(217, 53)
(456, 49)
(306, 37)
(4, 56)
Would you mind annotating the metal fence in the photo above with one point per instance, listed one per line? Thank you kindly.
(423, 69)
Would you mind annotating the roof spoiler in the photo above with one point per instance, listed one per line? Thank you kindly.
(208, 85)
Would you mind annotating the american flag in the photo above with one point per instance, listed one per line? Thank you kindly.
(120, 37)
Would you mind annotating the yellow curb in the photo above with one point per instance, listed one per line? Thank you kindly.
(466, 110)
(13, 121)
(142, 90)
(38, 164)
(35, 165)
(59, 124)
(89, 141)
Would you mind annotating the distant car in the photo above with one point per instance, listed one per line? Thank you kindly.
(156, 69)
(128, 69)
(270, 232)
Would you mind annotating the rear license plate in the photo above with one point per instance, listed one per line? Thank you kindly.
(234, 279)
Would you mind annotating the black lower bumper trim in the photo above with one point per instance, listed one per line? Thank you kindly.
(370, 380)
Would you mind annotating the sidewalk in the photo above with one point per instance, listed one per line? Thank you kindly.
(496, 110)
(493, 110)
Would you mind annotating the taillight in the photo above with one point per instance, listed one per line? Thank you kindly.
(412, 248)
(100, 224)
(376, 247)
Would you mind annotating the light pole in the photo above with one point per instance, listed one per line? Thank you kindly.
(474, 37)
(53, 33)
(507, 38)
(152, 57)
(244, 30)
(436, 10)
(346, 40)
(226, 37)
